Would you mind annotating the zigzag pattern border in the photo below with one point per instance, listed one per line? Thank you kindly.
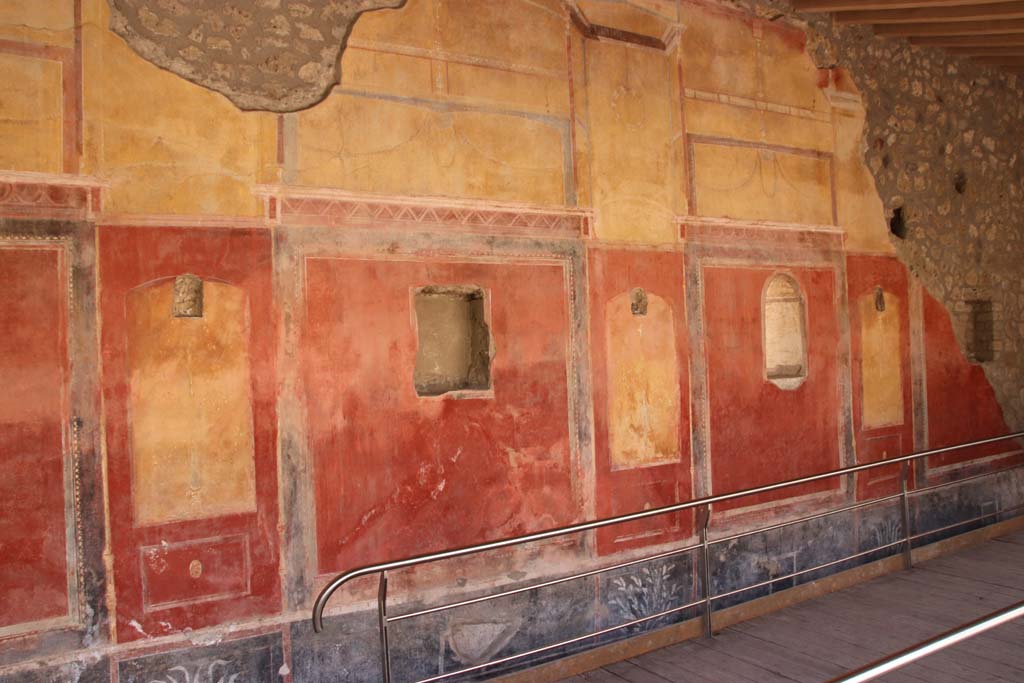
(354, 212)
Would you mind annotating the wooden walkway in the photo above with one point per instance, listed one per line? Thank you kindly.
(817, 640)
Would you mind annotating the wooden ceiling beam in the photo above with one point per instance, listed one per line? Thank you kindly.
(952, 28)
(1008, 40)
(855, 5)
(988, 12)
(1014, 62)
(1005, 51)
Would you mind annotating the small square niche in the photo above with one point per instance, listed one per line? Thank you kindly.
(453, 351)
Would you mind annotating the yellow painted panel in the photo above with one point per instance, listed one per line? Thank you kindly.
(38, 21)
(643, 376)
(167, 146)
(413, 25)
(790, 76)
(191, 406)
(753, 184)
(634, 119)
(882, 378)
(518, 32)
(383, 72)
(31, 114)
(518, 91)
(380, 146)
(719, 54)
(860, 208)
(722, 54)
(745, 123)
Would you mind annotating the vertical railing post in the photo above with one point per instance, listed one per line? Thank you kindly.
(908, 541)
(705, 551)
(382, 620)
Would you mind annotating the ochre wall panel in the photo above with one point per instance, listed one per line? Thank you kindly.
(751, 183)
(164, 145)
(759, 433)
(412, 149)
(881, 370)
(636, 157)
(737, 122)
(31, 114)
(640, 374)
(220, 504)
(859, 207)
(397, 474)
(31, 21)
(191, 405)
(740, 56)
(521, 32)
(881, 367)
(33, 416)
(643, 369)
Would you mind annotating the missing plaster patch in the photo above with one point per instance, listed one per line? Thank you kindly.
(898, 223)
(272, 55)
(454, 340)
(960, 182)
(188, 296)
(638, 301)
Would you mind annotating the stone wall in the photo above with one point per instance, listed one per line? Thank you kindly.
(942, 140)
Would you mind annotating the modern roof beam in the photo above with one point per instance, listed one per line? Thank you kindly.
(856, 5)
(932, 13)
(952, 28)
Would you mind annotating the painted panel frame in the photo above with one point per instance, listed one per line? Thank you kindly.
(774, 247)
(83, 476)
(392, 239)
(130, 257)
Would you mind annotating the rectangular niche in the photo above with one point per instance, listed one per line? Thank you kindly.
(453, 350)
(980, 331)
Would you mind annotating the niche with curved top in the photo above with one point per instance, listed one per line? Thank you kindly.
(192, 438)
(785, 332)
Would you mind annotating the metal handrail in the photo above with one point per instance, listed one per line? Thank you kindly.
(931, 646)
(381, 569)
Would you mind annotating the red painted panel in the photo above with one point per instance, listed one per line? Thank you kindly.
(33, 364)
(130, 257)
(397, 474)
(612, 273)
(759, 433)
(961, 403)
(194, 571)
(864, 274)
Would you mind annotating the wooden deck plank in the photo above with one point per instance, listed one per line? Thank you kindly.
(635, 674)
(827, 644)
(675, 667)
(716, 666)
(601, 676)
(816, 640)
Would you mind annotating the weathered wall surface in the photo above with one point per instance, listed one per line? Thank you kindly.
(683, 283)
(941, 141)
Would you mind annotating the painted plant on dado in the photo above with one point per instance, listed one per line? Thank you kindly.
(527, 263)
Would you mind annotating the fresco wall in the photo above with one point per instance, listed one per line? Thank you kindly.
(632, 246)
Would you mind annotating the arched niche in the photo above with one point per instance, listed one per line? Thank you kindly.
(880, 361)
(784, 322)
(191, 415)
